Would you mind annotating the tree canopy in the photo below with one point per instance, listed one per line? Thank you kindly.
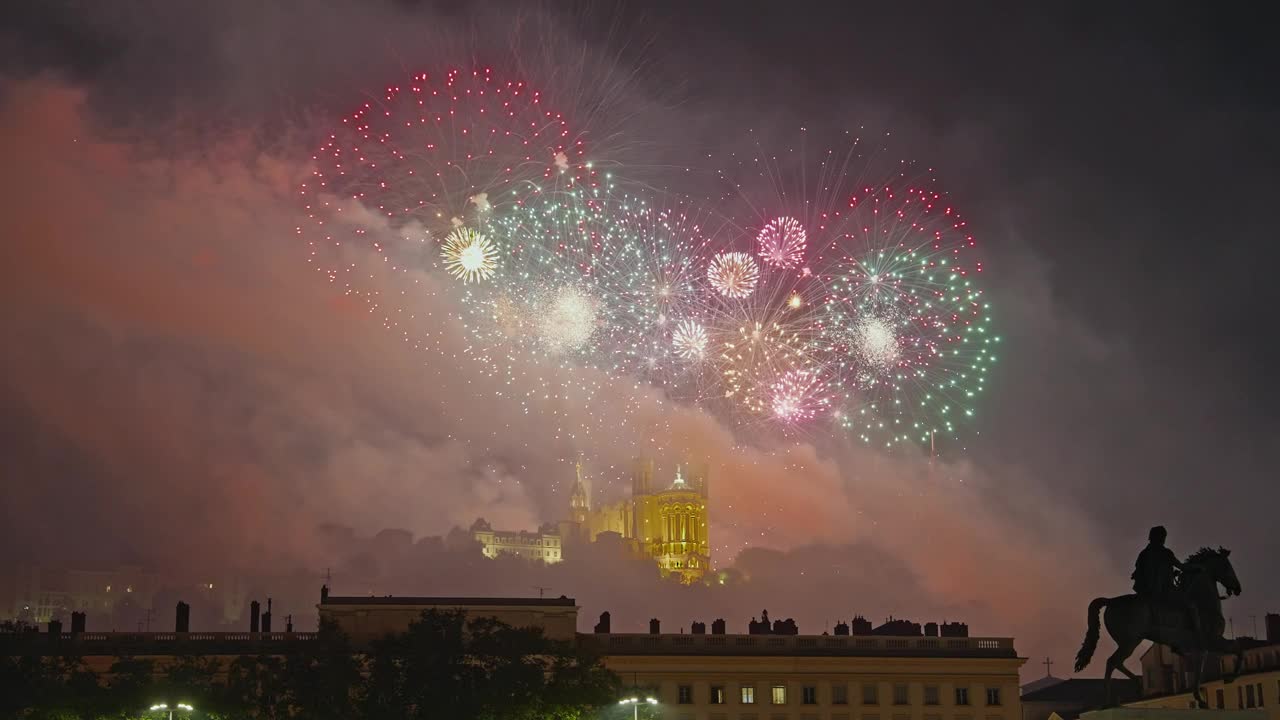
(442, 667)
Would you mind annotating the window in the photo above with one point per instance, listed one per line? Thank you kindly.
(717, 694)
(1248, 694)
(930, 694)
(684, 694)
(870, 694)
(962, 696)
(900, 694)
(1239, 697)
(1220, 699)
(840, 694)
(778, 694)
(809, 695)
(993, 696)
(1260, 702)
(748, 695)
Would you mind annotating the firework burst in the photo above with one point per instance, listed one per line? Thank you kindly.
(421, 159)
(690, 340)
(781, 242)
(733, 274)
(798, 396)
(469, 256)
(904, 321)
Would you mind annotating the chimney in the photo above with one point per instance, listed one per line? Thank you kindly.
(931, 629)
(77, 623)
(182, 623)
(288, 623)
(254, 608)
(955, 629)
(324, 594)
(266, 618)
(698, 628)
(602, 627)
(717, 626)
(1273, 627)
(842, 628)
(55, 629)
(653, 626)
(860, 626)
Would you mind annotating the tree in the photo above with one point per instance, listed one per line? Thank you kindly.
(482, 670)
(325, 682)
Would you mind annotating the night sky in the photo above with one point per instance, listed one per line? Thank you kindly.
(180, 390)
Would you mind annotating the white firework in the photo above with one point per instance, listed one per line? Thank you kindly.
(568, 319)
(875, 341)
(690, 340)
(469, 255)
(733, 274)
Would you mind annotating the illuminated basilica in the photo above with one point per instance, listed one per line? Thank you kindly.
(667, 522)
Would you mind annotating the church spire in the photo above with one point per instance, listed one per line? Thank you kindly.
(679, 482)
(578, 496)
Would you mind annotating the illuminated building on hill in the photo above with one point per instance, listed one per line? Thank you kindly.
(543, 545)
(667, 522)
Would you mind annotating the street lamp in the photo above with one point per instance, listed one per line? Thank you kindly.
(634, 702)
(163, 707)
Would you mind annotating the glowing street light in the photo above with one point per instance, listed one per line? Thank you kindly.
(634, 702)
(164, 707)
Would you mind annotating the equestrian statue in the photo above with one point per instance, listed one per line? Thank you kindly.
(1173, 603)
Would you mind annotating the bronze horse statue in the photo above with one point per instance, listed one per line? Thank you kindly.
(1130, 619)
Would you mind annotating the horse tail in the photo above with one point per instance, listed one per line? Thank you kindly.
(1091, 636)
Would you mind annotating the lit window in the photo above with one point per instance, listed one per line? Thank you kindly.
(684, 694)
(840, 694)
(748, 695)
(809, 695)
(930, 694)
(870, 694)
(778, 696)
(962, 696)
(993, 696)
(717, 694)
(900, 694)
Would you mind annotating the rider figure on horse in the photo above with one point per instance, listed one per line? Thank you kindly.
(1153, 576)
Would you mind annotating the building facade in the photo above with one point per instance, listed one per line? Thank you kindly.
(1167, 677)
(543, 546)
(759, 676)
(663, 521)
(799, 677)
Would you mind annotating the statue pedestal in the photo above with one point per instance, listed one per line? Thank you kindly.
(1150, 713)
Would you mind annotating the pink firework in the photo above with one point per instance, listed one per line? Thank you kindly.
(782, 242)
(798, 396)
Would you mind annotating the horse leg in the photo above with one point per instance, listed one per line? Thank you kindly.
(1195, 680)
(1116, 662)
